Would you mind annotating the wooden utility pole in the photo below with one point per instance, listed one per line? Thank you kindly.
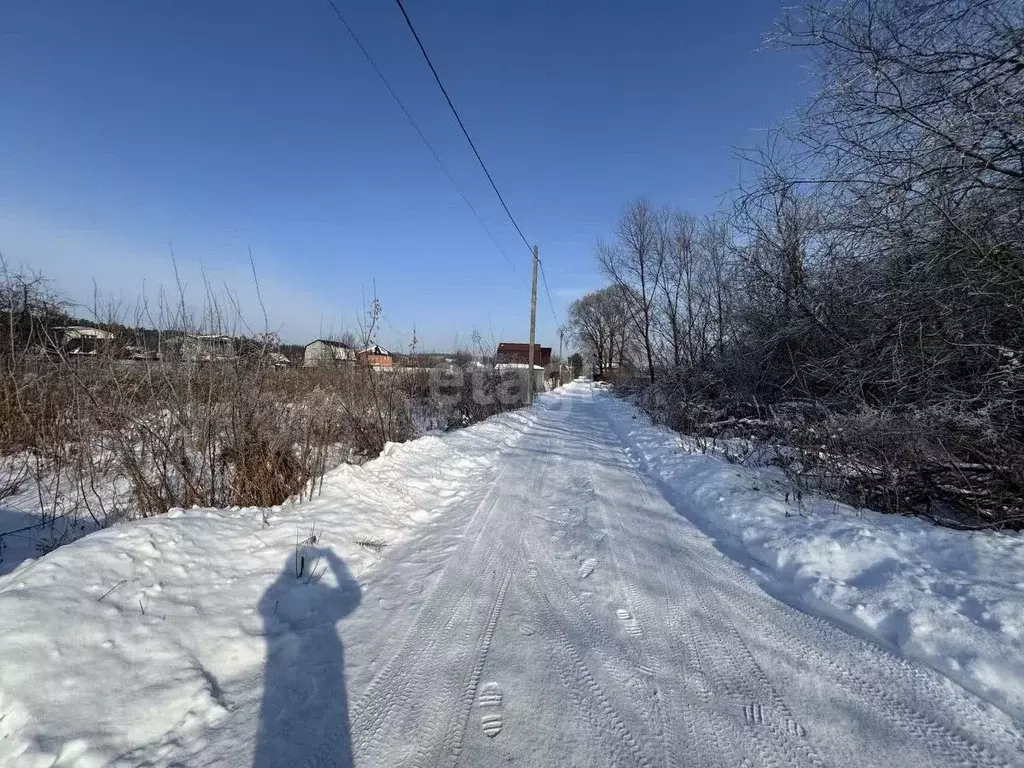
(561, 333)
(533, 328)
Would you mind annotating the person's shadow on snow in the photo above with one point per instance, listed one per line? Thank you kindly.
(304, 712)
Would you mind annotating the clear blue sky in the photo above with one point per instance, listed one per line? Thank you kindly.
(219, 126)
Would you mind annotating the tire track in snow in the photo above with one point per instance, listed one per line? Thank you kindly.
(928, 731)
(691, 729)
(744, 681)
(418, 705)
(895, 671)
(641, 685)
(734, 675)
(590, 698)
(601, 645)
(451, 747)
(744, 598)
(406, 672)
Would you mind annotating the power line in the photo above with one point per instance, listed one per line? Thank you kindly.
(483, 166)
(433, 152)
(426, 142)
(462, 125)
(551, 304)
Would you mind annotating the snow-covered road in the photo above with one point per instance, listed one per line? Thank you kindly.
(570, 616)
(561, 611)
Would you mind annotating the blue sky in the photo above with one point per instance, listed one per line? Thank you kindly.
(219, 127)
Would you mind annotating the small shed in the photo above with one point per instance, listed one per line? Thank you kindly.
(278, 360)
(325, 352)
(82, 339)
(208, 348)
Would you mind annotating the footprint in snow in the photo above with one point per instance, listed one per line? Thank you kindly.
(632, 625)
(489, 702)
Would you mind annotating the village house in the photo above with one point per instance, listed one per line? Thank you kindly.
(514, 354)
(376, 357)
(325, 352)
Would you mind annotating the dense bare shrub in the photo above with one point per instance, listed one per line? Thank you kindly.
(102, 438)
(861, 307)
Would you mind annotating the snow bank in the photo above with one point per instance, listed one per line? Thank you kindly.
(953, 600)
(136, 632)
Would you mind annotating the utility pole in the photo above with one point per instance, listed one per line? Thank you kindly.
(533, 328)
(561, 362)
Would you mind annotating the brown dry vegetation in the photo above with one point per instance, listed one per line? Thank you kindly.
(105, 439)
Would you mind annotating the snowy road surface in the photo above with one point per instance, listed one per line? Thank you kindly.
(571, 616)
(559, 612)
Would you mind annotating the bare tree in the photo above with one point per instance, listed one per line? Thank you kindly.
(679, 316)
(914, 89)
(599, 323)
(716, 247)
(862, 302)
(635, 261)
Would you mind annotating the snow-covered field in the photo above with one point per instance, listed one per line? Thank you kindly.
(560, 585)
